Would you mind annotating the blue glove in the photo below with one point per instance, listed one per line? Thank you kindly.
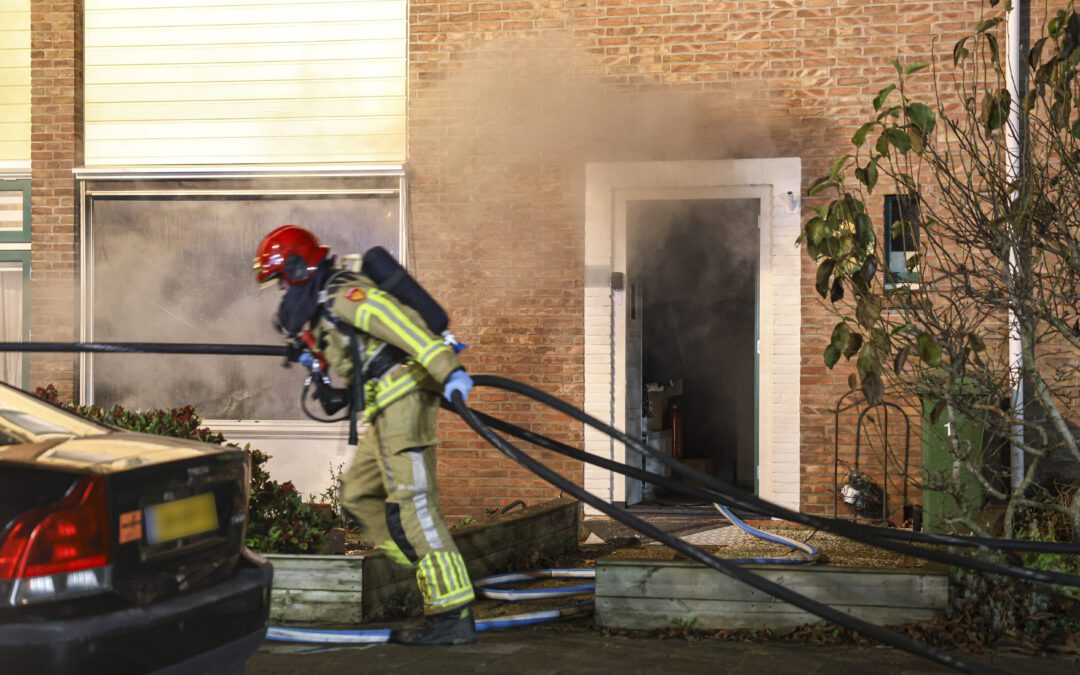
(306, 359)
(459, 380)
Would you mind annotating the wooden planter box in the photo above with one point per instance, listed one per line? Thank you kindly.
(323, 588)
(647, 595)
(338, 589)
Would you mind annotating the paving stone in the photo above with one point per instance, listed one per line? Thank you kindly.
(575, 648)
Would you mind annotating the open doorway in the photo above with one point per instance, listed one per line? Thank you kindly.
(692, 330)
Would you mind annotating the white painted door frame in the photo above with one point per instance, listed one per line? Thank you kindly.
(776, 183)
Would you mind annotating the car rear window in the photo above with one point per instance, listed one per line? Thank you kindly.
(28, 419)
(31, 424)
(8, 439)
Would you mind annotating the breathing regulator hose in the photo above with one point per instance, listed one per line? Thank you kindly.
(730, 569)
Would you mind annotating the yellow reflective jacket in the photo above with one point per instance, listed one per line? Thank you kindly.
(381, 319)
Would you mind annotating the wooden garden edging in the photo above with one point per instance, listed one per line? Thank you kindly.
(650, 594)
(338, 589)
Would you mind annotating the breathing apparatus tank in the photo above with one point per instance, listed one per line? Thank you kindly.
(382, 268)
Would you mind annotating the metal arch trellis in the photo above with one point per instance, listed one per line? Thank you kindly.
(886, 454)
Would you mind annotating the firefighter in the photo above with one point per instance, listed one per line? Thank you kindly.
(390, 487)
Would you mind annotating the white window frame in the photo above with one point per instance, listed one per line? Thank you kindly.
(777, 183)
(247, 429)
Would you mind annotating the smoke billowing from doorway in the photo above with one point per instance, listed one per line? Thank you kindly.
(692, 267)
(500, 138)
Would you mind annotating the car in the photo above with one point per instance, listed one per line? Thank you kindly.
(122, 552)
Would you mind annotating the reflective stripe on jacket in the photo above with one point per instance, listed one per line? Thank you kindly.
(381, 319)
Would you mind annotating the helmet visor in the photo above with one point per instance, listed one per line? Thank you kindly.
(265, 269)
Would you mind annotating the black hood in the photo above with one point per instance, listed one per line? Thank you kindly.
(300, 303)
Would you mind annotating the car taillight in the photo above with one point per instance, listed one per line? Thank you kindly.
(61, 550)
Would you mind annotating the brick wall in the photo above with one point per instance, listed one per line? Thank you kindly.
(765, 78)
(502, 248)
(56, 131)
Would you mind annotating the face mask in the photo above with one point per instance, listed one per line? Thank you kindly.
(300, 303)
(297, 306)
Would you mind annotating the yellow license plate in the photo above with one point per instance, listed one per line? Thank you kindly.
(181, 518)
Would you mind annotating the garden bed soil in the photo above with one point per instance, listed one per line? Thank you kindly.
(835, 550)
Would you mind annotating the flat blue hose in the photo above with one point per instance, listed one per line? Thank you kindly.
(484, 586)
(378, 636)
(487, 587)
(374, 636)
(365, 636)
(810, 554)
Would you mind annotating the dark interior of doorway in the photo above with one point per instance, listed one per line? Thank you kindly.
(696, 266)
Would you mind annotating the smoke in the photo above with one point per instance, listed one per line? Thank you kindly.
(500, 138)
(179, 269)
(544, 99)
(693, 264)
(698, 255)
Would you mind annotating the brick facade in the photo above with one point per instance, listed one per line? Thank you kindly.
(802, 75)
(56, 131)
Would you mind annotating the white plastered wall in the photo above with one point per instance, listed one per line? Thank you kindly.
(204, 82)
(308, 454)
(776, 182)
(14, 85)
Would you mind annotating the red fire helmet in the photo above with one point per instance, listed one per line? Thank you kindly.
(290, 253)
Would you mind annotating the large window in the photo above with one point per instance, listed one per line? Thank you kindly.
(172, 262)
(14, 85)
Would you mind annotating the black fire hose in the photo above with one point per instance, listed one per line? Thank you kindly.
(728, 498)
(146, 348)
(734, 571)
(727, 494)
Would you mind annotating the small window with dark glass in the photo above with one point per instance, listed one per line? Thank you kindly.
(901, 240)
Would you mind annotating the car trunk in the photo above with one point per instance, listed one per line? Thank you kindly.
(177, 525)
(176, 509)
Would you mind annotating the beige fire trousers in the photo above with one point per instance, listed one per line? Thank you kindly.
(391, 489)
